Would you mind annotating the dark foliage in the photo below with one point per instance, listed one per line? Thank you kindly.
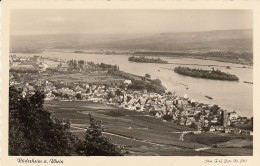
(96, 144)
(108, 66)
(143, 59)
(147, 75)
(167, 117)
(24, 70)
(199, 73)
(119, 93)
(78, 96)
(154, 86)
(32, 131)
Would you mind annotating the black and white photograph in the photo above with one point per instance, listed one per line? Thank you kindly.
(130, 82)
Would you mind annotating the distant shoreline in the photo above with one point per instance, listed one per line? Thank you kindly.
(172, 57)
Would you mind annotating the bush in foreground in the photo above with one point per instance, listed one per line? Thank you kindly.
(32, 131)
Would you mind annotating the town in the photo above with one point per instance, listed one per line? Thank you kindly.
(78, 80)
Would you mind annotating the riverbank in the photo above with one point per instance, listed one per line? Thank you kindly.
(244, 58)
(237, 59)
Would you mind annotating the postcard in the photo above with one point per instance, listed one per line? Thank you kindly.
(129, 82)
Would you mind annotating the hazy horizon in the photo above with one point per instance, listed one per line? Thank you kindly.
(127, 22)
(144, 34)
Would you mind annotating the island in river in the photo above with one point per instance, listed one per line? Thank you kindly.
(143, 59)
(208, 74)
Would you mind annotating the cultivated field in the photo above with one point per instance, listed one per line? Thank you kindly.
(142, 134)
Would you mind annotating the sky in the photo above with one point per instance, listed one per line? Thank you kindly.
(101, 21)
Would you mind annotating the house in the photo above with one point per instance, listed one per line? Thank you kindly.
(192, 101)
(212, 128)
(207, 111)
(233, 115)
(151, 102)
(179, 102)
(23, 94)
(157, 108)
(168, 102)
(197, 112)
(219, 128)
(182, 121)
(214, 121)
(96, 99)
(158, 115)
(137, 107)
(174, 117)
(49, 94)
(153, 95)
(185, 102)
(128, 82)
(189, 121)
(202, 117)
(229, 130)
(30, 88)
(170, 113)
(246, 132)
(142, 100)
(206, 123)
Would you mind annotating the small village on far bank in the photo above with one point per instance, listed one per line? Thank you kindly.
(103, 83)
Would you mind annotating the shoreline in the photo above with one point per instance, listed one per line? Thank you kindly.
(131, 54)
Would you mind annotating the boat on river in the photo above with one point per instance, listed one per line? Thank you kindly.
(247, 82)
(209, 97)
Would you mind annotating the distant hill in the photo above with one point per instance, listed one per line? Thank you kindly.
(226, 39)
(221, 39)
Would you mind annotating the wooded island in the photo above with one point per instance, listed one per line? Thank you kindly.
(207, 74)
(143, 59)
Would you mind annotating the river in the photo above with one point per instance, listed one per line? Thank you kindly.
(230, 95)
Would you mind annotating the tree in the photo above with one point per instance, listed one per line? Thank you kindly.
(78, 96)
(194, 125)
(214, 109)
(110, 95)
(128, 99)
(157, 82)
(167, 117)
(147, 75)
(66, 96)
(81, 62)
(118, 92)
(32, 131)
(96, 144)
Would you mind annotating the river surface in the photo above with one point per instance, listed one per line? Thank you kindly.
(230, 95)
